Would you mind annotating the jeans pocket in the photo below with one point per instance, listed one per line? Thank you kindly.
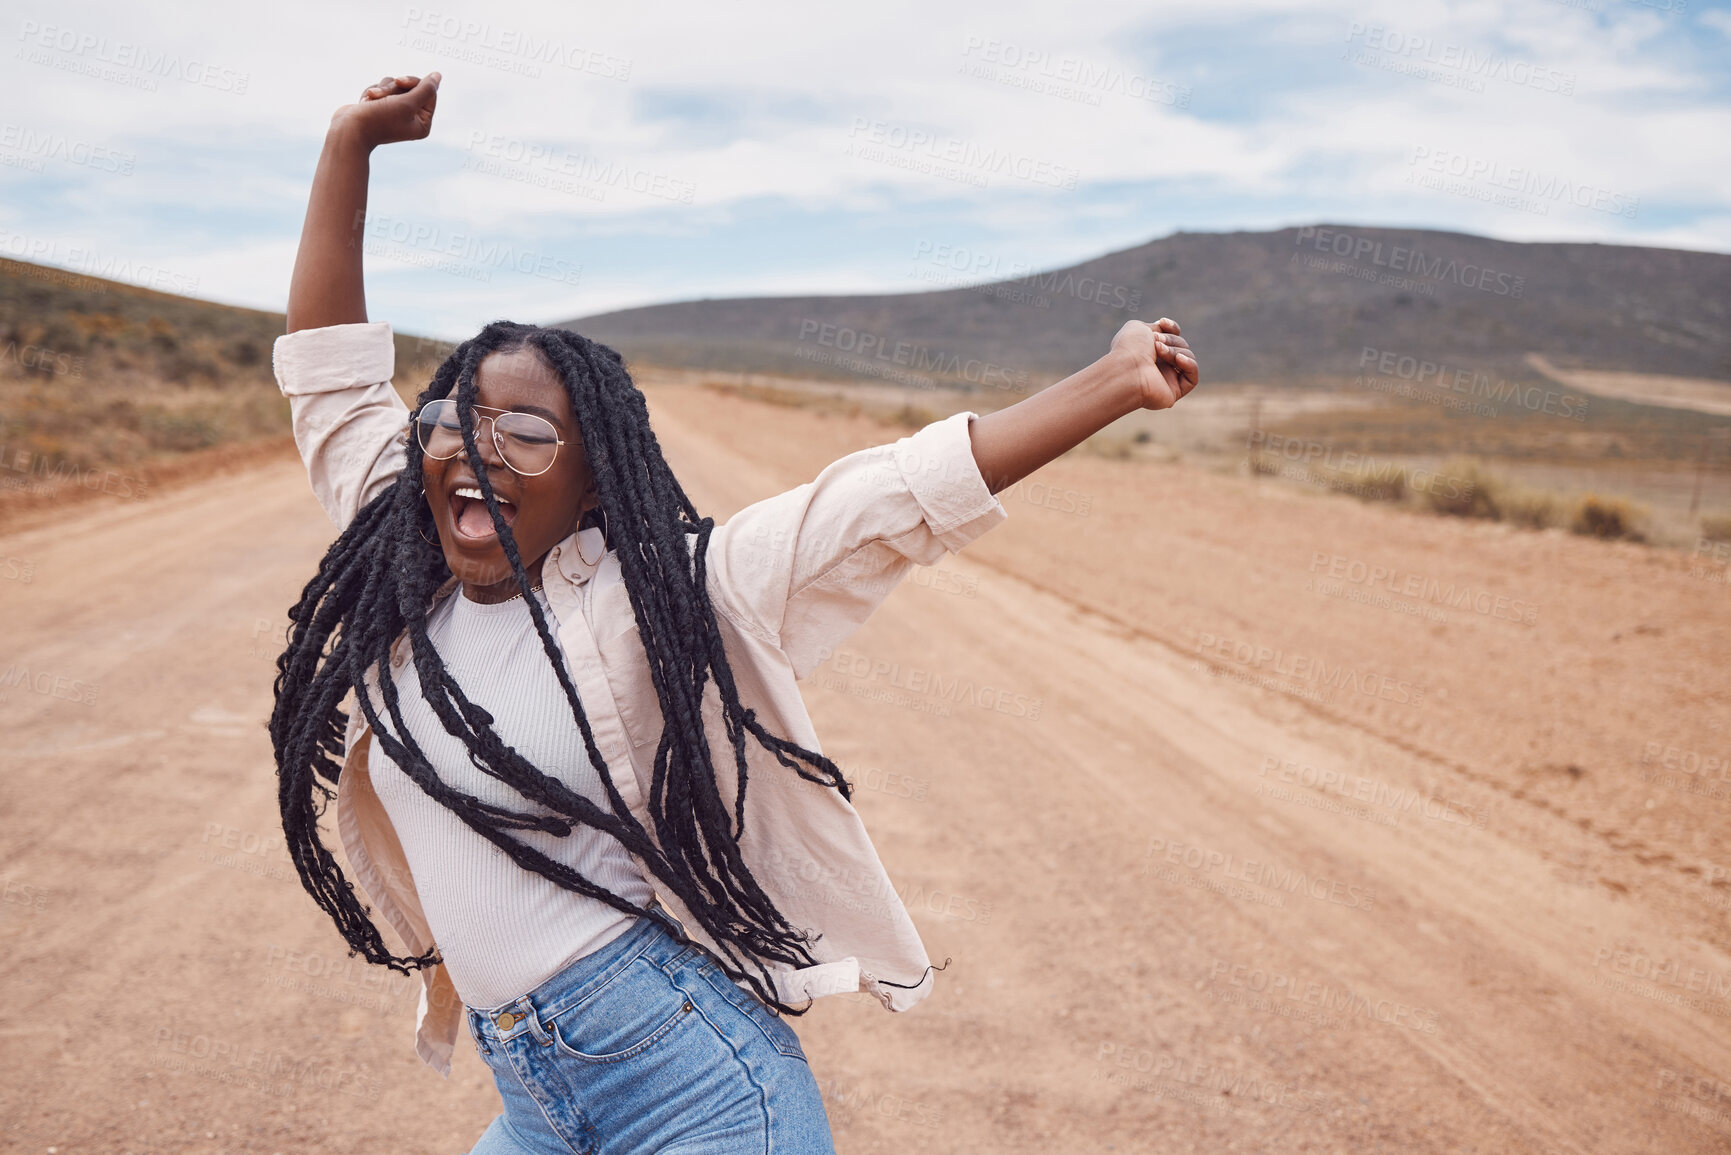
(633, 1010)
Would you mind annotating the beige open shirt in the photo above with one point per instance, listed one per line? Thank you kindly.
(790, 578)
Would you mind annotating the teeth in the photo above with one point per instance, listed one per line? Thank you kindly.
(471, 491)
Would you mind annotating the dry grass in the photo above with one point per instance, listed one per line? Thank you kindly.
(1471, 490)
(98, 377)
(906, 416)
(1611, 518)
(1464, 487)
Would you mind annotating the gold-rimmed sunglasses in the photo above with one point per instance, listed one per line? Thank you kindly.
(527, 444)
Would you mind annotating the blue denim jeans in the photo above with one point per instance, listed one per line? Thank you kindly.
(646, 1046)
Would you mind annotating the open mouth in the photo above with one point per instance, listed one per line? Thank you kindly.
(469, 514)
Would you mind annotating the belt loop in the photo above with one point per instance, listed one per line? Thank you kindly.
(655, 901)
(478, 1032)
(532, 1019)
(517, 1014)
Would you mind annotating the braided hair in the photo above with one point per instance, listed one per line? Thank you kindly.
(378, 580)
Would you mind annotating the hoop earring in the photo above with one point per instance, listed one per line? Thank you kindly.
(604, 527)
(434, 541)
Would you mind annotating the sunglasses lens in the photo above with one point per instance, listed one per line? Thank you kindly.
(527, 442)
(441, 436)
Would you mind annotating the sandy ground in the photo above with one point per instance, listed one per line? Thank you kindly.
(1308, 826)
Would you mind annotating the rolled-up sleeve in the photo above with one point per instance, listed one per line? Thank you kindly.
(348, 420)
(804, 569)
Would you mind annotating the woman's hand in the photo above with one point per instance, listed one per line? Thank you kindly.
(1148, 367)
(1159, 359)
(396, 108)
(327, 288)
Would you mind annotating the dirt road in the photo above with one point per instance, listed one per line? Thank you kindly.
(1252, 820)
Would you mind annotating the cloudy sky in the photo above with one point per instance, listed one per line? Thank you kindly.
(587, 157)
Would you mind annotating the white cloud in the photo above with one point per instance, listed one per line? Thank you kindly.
(1261, 111)
(1717, 19)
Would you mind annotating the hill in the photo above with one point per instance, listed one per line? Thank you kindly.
(1293, 306)
(107, 387)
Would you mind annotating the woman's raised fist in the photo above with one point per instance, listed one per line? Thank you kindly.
(396, 108)
(1160, 360)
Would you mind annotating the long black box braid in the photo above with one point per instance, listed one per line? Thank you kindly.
(379, 578)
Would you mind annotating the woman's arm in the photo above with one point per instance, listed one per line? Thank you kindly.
(1148, 367)
(334, 368)
(327, 288)
(804, 569)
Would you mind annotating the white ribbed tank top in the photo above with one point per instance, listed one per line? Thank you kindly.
(502, 930)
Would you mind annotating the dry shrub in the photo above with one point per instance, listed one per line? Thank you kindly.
(1462, 487)
(1716, 526)
(1531, 508)
(1379, 482)
(137, 380)
(1610, 518)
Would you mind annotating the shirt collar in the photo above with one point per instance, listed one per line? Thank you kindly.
(567, 557)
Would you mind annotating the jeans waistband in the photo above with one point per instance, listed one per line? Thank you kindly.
(579, 979)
